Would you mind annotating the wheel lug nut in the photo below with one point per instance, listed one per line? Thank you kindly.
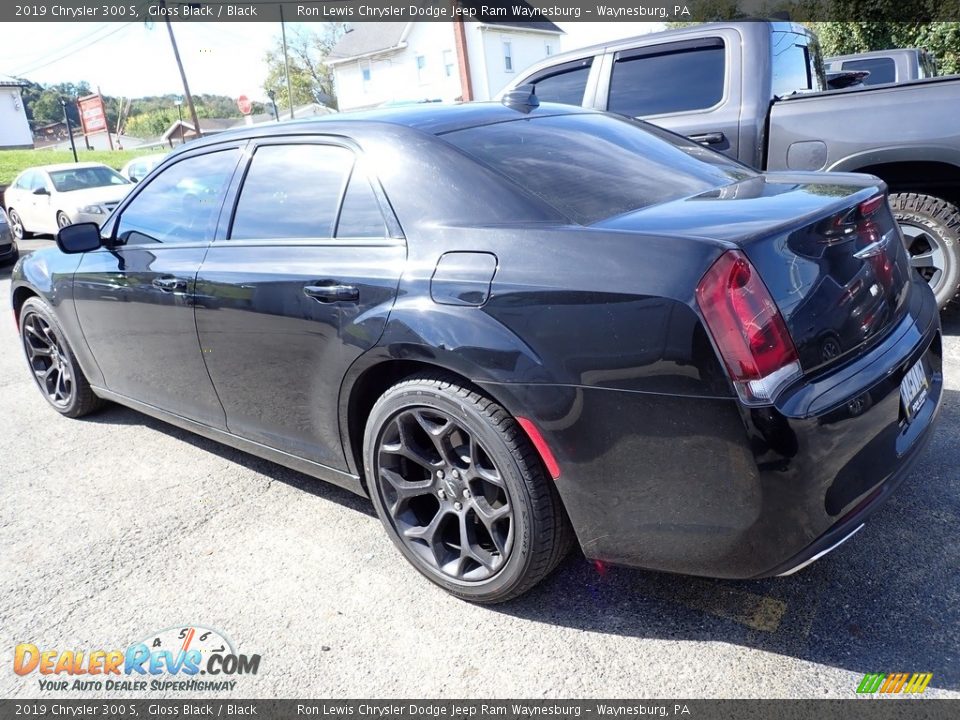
(457, 506)
(440, 474)
(456, 474)
(442, 495)
(466, 492)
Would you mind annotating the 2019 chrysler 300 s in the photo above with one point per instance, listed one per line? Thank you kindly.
(512, 326)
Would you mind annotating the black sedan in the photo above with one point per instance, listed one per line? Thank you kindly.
(513, 327)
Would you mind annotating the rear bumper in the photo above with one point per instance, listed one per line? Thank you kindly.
(705, 486)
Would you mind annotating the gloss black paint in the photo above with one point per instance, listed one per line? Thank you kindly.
(591, 332)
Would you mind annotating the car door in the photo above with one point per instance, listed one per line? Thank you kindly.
(298, 289)
(683, 86)
(27, 204)
(135, 298)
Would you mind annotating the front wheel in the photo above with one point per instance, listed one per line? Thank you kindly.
(63, 220)
(52, 362)
(931, 231)
(461, 491)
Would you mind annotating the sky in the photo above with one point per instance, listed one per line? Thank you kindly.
(133, 60)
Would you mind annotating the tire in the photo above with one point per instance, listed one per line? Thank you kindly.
(52, 362)
(16, 225)
(931, 230)
(417, 491)
(63, 220)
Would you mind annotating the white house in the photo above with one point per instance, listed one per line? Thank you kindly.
(14, 128)
(377, 63)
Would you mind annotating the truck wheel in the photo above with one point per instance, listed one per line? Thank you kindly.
(461, 490)
(931, 231)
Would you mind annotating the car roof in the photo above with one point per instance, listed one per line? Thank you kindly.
(66, 166)
(431, 118)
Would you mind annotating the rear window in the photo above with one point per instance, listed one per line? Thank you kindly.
(882, 70)
(593, 167)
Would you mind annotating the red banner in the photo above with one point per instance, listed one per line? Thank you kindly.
(93, 116)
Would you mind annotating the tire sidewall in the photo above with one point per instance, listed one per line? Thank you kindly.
(38, 307)
(18, 235)
(425, 394)
(944, 234)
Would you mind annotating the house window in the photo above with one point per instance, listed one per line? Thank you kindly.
(448, 63)
(365, 73)
(549, 49)
(507, 56)
(421, 66)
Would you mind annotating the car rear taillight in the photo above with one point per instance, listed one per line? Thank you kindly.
(747, 328)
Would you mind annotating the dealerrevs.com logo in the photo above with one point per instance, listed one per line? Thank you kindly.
(190, 658)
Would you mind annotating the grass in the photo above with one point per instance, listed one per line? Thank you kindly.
(13, 162)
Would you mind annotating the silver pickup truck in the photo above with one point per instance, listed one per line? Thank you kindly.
(886, 66)
(755, 91)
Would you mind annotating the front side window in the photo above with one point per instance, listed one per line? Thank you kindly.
(679, 77)
(292, 191)
(181, 204)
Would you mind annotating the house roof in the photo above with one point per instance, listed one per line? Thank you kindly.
(368, 38)
(7, 81)
(513, 19)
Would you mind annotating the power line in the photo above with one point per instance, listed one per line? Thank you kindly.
(64, 55)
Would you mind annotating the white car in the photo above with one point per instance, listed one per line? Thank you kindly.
(47, 198)
(138, 168)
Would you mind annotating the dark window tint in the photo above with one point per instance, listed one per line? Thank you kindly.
(591, 167)
(360, 215)
(182, 203)
(292, 191)
(882, 70)
(565, 87)
(790, 63)
(651, 82)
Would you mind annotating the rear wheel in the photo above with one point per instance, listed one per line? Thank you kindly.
(52, 362)
(931, 231)
(16, 224)
(461, 491)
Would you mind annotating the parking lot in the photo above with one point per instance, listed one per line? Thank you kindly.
(118, 525)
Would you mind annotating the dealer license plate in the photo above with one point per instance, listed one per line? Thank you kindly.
(913, 389)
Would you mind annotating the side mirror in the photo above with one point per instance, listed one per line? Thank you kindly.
(134, 179)
(41, 191)
(79, 238)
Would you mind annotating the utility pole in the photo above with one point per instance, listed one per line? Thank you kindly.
(183, 75)
(286, 62)
(66, 118)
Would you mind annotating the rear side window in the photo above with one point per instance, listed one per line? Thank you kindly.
(565, 85)
(360, 215)
(292, 191)
(882, 70)
(790, 64)
(591, 167)
(673, 78)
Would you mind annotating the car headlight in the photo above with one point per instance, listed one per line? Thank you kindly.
(92, 210)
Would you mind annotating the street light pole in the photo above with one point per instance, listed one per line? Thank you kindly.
(66, 117)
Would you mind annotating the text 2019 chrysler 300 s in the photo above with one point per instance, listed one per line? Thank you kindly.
(512, 326)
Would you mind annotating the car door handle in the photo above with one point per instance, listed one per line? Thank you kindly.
(332, 293)
(170, 284)
(710, 138)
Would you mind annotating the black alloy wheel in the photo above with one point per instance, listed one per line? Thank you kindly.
(444, 495)
(53, 363)
(461, 490)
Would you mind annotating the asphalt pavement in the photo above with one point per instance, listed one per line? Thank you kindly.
(117, 526)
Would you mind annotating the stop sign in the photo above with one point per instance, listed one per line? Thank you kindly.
(243, 102)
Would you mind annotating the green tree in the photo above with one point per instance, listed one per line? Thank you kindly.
(940, 38)
(310, 79)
